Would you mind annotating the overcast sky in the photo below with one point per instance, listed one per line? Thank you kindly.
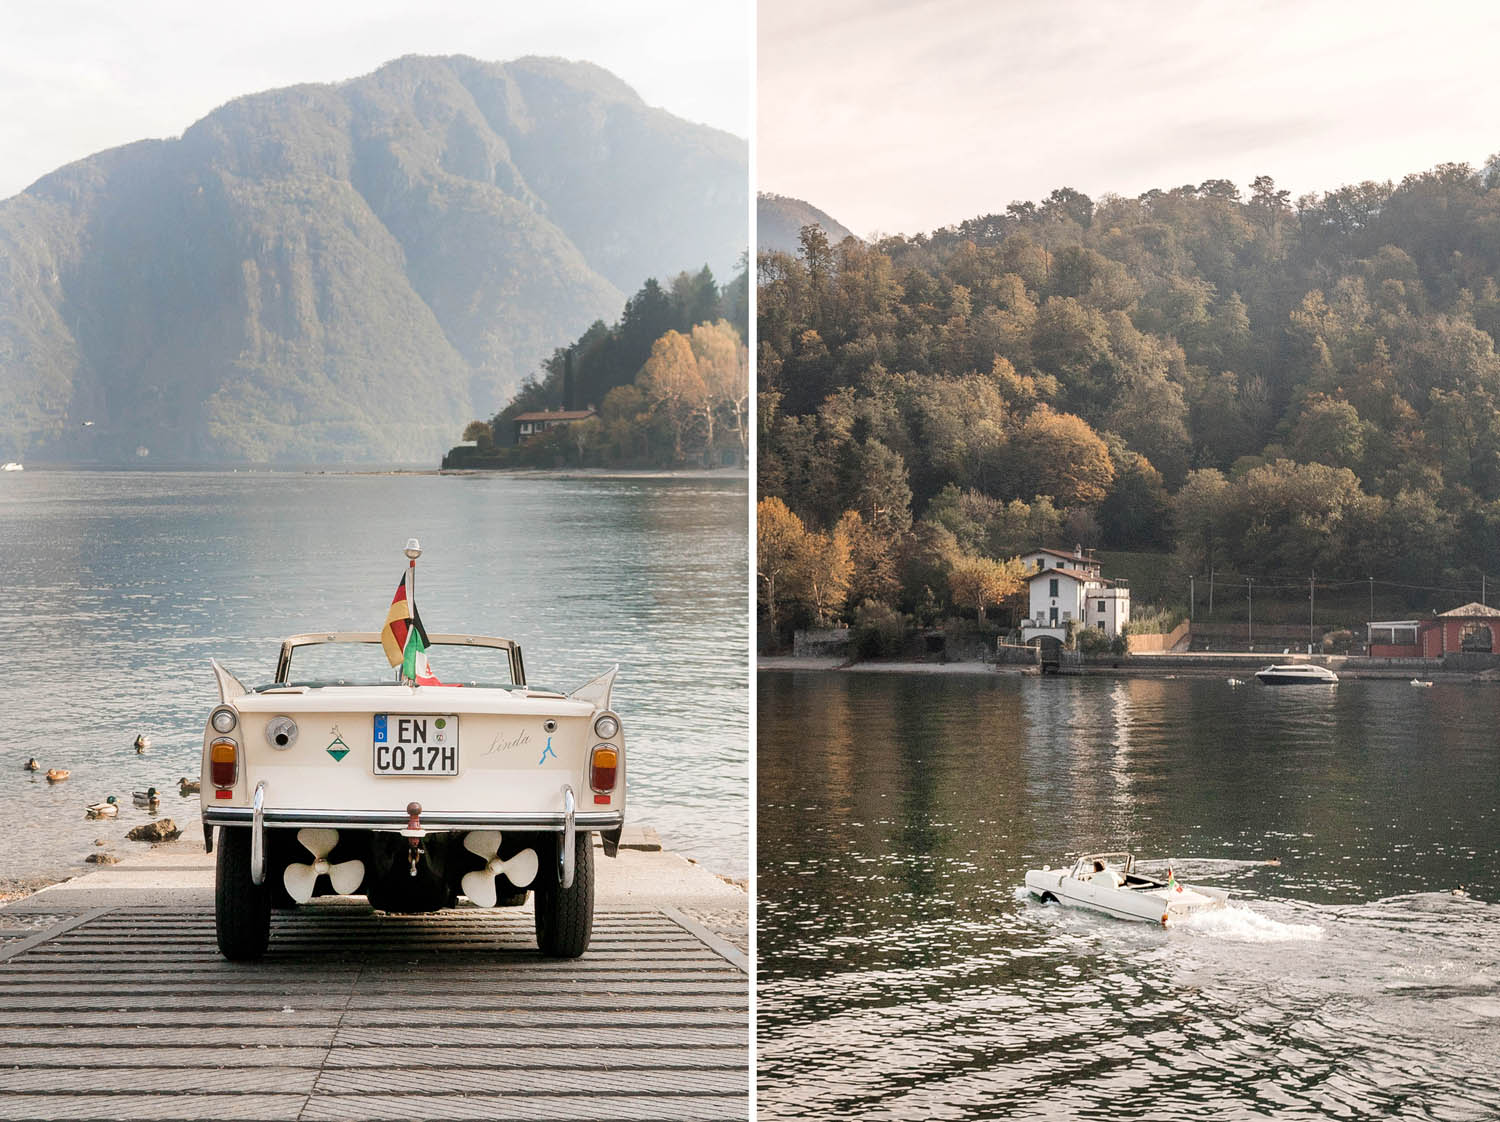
(901, 116)
(79, 76)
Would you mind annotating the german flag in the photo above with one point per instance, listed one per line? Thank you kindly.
(400, 621)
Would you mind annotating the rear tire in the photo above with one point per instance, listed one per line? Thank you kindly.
(242, 911)
(565, 916)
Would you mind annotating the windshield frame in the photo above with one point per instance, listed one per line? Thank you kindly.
(290, 645)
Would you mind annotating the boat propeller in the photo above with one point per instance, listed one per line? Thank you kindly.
(479, 886)
(299, 878)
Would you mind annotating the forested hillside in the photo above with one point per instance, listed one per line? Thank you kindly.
(1269, 387)
(670, 381)
(344, 272)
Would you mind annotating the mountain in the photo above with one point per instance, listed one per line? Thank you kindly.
(780, 218)
(331, 273)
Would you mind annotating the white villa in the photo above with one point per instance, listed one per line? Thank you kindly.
(1070, 588)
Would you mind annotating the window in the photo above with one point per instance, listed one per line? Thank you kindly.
(1101, 625)
(1053, 617)
(1052, 587)
(1101, 607)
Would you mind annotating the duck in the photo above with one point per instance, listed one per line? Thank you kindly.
(1460, 891)
(57, 774)
(142, 742)
(109, 808)
(1419, 682)
(1236, 681)
(188, 786)
(32, 765)
(146, 797)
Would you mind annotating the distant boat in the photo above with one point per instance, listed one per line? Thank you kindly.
(1297, 673)
(11, 465)
(1419, 682)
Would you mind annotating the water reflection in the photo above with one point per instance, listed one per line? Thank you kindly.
(903, 976)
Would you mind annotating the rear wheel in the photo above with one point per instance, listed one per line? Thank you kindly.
(242, 911)
(565, 916)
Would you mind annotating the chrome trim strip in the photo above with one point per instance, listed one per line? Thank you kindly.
(396, 819)
(258, 836)
(569, 831)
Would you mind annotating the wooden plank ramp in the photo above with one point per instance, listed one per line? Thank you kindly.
(129, 1012)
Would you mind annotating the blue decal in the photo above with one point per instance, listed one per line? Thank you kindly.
(380, 728)
(547, 751)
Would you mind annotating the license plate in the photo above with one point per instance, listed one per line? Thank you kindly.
(416, 744)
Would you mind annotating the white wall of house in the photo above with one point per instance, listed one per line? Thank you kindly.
(1089, 602)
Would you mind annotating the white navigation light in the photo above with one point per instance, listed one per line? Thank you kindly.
(281, 732)
(223, 720)
(606, 727)
(413, 548)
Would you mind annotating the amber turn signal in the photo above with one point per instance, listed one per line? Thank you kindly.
(223, 762)
(603, 768)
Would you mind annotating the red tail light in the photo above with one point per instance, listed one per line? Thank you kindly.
(223, 762)
(604, 768)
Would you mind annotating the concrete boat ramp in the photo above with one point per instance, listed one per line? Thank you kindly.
(115, 1004)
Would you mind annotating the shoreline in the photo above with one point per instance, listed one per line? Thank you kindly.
(1202, 665)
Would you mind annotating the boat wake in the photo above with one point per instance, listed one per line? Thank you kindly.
(1243, 925)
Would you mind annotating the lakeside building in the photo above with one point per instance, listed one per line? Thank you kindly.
(1471, 629)
(1069, 589)
(533, 424)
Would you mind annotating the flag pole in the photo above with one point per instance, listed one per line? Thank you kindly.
(413, 551)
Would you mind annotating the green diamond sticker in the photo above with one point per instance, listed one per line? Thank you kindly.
(338, 753)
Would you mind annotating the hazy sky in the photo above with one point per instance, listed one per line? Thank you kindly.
(78, 76)
(907, 116)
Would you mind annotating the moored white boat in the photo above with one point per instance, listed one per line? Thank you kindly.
(12, 465)
(1109, 883)
(1296, 673)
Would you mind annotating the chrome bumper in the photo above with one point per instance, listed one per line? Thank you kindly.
(396, 819)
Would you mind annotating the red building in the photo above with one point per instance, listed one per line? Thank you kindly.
(1473, 628)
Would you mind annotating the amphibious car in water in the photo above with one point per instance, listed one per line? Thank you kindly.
(1110, 883)
(333, 778)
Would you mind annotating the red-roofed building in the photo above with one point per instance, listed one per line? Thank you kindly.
(530, 424)
(1068, 589)
(1472, 628)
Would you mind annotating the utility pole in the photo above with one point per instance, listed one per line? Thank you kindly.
(1372, 597)
(1210, 592)
(1190, 597)
(1250, 598)
(1310, 595)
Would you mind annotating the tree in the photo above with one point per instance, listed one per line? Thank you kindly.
(673, 387)
(723, 365)
(479, 432)
(1059, 455)
(980, 582)
(780, 553)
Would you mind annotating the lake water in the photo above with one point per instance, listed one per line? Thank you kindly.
(121, 586)
(903, 975)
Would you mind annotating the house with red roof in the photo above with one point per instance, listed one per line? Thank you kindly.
(1470, 629)
(1070, 589)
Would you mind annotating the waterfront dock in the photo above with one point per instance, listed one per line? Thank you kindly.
(115, 1003)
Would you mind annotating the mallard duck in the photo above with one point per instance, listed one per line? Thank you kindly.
(57, 774)
(188, 786)
(146, 797)
(107, 809)
(142, 742)
(32, 765)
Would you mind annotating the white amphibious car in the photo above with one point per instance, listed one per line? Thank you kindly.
(333, 778)
(1108, 882)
